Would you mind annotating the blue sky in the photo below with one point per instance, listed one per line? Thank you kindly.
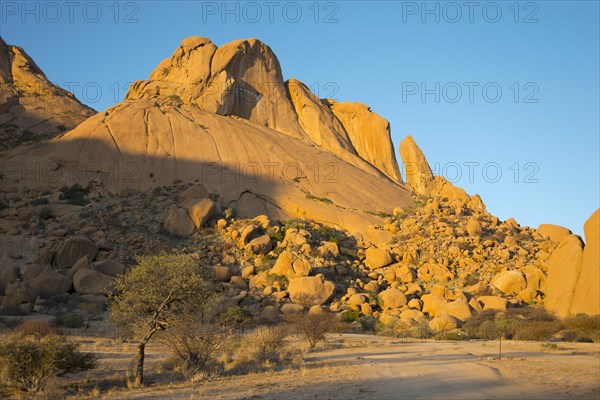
(506, 90)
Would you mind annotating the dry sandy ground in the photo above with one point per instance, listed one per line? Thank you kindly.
(368, 367)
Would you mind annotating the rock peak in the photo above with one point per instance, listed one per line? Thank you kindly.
(416, 168)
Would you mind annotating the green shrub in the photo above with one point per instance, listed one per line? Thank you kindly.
(45, 213)
(74, 321)
(350, 316)
(321, 199)
(28, 362)
(75, 194)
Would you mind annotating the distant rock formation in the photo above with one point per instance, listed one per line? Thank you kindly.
(31, 107)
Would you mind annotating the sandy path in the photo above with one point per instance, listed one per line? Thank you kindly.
(374, 368)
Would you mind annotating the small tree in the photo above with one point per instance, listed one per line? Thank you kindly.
(154, 295)
(315, 327)
(28, 362)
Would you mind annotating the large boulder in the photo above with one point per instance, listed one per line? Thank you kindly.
(510, 281)
(586, 298)
(178, 222)
(433, 304)
(556, 233)
(391, 298)
(19, 293)
(443, 323)
(86, 281)
(259, 245)
(474, 227)
(291, 266)
(377, 258)
(564, 269)
(7, 276)
(310, 290)
(73, 249)
(109, 267)
(51, 282)
(493, 303)
(459, 309)
(200, 210)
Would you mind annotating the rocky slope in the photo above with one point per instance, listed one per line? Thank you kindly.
(31, 107)
(292, 203)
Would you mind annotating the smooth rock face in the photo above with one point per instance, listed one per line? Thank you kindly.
(370, 135)
(391, 298)
(564, 270)
(31, 107)
(318, 120)
(86, 281)
(168, 143)
(73, 249)
(310, 290)
(586, 298)
(555, 233)
(416, 169)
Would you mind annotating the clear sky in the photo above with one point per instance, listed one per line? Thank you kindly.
(503, 97)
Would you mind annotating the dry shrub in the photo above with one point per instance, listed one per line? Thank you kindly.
(37, 328)
(196, 346)
(583, 327)
(315, 327)
(29, 363)
(264, 347)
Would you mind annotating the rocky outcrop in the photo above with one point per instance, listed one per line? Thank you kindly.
(574, 273)
(555, 233)
(241, 78)
(369, 134)
(564, 269)
(421, 179)
(586, 298)
(31, 107)
(416, 169)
